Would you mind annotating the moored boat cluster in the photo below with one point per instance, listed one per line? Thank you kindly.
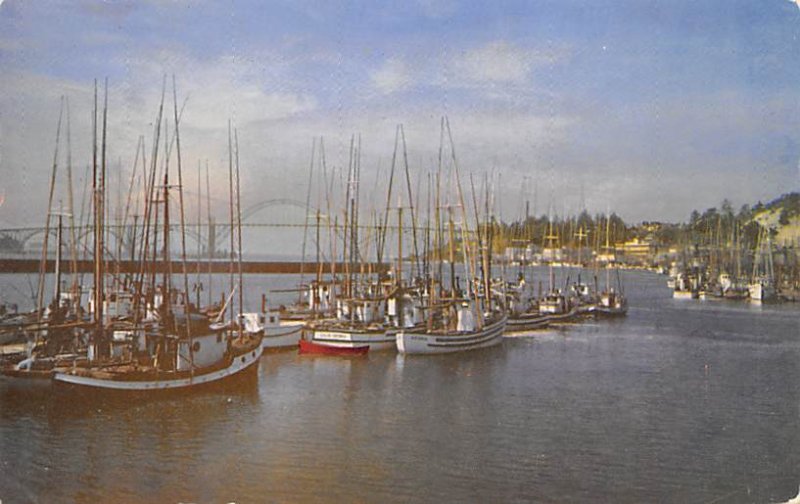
(140, 331)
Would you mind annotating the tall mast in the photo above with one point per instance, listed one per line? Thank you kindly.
(239, 228)
(439, 235)
(167, 277)
(71, 210)
(149, 208)
(608, 251)
(199, 229)
(230, 209)
(399, 290)
(382, 230)
(187, 311)
(98, 268)
(347, 257)
(102, 198)
(305, 220)
(211, 246)
(43, 264)
(410, 203)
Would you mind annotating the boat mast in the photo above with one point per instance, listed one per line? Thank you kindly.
(102, 201)
(410, 203)
(210, 246)
(43, 263)
(305, 220)
(167, 276)
(198, 254)
(608, 252)
(382, 230)
(399, 290)
(239, 228)
(98, 267)
(146, 274)
(230, 213)
(57, 293)
(186, 304)
(71, 210)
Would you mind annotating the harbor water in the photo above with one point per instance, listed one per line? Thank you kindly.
(681, 401)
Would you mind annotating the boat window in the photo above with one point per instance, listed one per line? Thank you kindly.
(242, 359)
(272, 319)
(196, 346)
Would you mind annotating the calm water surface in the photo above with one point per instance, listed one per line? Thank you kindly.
(680, 402)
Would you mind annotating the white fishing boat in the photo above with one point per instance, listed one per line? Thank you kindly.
(557, 308)
(685, 287)
(440, 342)
(375, 337)
(762, 287)
(275, 334)
(611, 304)
(360, 322)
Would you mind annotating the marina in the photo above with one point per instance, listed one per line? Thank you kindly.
(432, 251)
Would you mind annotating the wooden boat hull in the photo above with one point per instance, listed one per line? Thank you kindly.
(239, 363)
(411, 342)
(564, 318)
(527, 322)
(283, 336)
(310, 347)
(376, 340)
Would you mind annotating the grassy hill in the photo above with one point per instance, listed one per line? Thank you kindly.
(782, 215)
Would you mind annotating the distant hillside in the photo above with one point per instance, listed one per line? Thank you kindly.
(782, 215)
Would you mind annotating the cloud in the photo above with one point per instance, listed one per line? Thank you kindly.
(796, 2)
(393, 76)
(499, 62)
(215, 90)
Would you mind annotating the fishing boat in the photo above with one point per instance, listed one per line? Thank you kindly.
(527, 321)
(180, 359)
(275, 334)
(762, 285)
(163, 343)
(556, 307)
(612, 304)
(460, 320)
(523, 309)
(360, 321)
(466, 336)
(685, 287)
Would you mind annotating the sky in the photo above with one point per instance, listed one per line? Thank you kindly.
(649, 108)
